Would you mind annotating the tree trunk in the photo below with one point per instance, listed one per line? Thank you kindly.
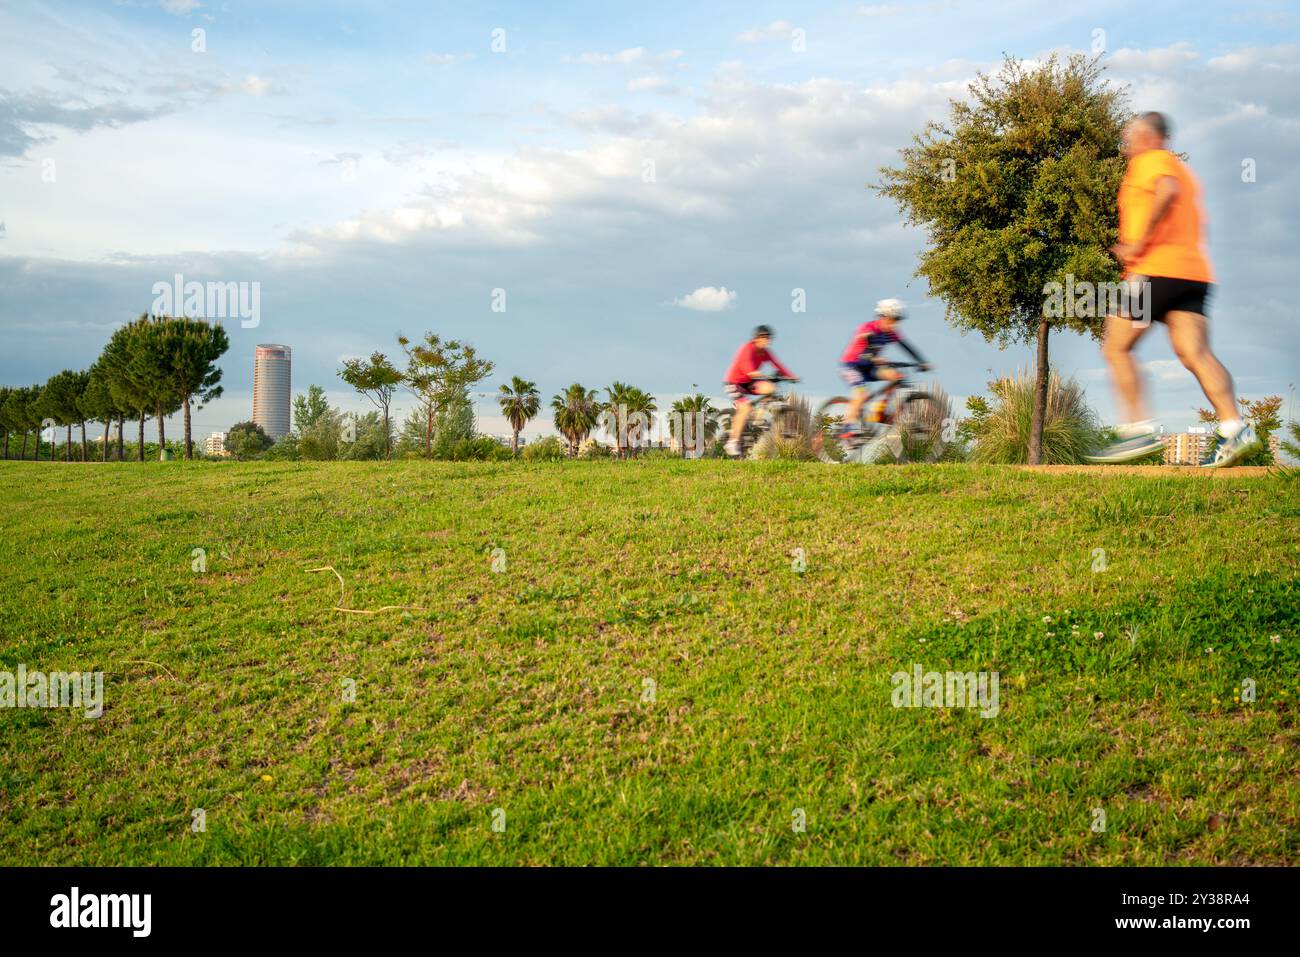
(6, 445)
(189, 444)
(85, 451)
(108, 430)
(514, 444)
(388, 436)
(428, 432)
(1040, 398)
(121, 445)
(162, 435)
(67, 446)
(23, 456)
(140, 450)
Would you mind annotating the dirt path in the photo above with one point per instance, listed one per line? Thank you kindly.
(1241, 471)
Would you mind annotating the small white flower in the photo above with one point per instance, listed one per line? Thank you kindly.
(1047, 619)
(1099, 635)
(1276, 639)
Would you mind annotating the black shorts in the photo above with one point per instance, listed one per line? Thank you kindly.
(1151, 298)
(739, 391)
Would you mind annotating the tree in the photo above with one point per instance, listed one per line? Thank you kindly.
(376, 379)
(97, 402)
(59, 404)
(150, 372)
(247, 440)
(440, 371)
(130, 391)
(27, 412)
(630, 415)
(577, 410)
(520, 402)
(184, 352)
(702, 416)
(5, 393)
(1016, 193)
(309, 409)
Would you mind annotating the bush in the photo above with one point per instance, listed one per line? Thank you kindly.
(591, 449)
(1001, 428)
(478, 449)
(549, 449)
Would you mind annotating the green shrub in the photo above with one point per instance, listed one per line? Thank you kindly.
(549, 449)
(591, 449)
(1001, 428)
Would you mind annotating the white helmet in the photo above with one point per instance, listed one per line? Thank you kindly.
(890, 307)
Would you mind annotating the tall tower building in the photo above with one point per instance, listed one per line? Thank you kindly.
(271, 389)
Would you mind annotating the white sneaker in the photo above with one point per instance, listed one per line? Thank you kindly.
(732, 448)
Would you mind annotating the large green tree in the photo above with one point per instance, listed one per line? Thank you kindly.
(520, 402)
(151, 351)
(693, 419)
(1017, 191)
(60, 404)
(440, 372)
(377, 379)
(131, 393)
(183, 353)
(576, 411)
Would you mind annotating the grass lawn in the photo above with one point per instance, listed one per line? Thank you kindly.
(645, 677)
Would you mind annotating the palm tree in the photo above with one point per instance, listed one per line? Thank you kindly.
(700, 412)
(577, 411)
(519, 401)
(630, 415)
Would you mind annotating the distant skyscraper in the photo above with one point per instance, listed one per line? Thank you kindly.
(271, 389)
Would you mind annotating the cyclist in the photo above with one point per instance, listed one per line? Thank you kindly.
(861, 362)
(745, 379)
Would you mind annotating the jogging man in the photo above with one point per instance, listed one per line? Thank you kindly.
(861, 362)
(1161, 249)
(745, 380)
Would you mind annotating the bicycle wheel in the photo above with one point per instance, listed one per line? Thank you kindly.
(918, 429)
(828, 445)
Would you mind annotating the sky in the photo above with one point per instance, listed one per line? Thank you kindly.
(586, 192)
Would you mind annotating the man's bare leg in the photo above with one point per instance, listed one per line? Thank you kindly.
(1189, 335)
(1119, 337)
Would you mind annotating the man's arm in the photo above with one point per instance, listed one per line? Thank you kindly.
(1166, 191)
(907, 346)
(780, 368)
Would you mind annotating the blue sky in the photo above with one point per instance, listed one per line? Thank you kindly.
(381, 168)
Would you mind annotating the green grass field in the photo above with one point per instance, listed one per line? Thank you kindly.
(525, 689)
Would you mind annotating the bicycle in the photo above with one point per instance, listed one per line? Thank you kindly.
(769, 414)
(911, 429)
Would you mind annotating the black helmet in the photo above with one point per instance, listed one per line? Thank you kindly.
(762, 332)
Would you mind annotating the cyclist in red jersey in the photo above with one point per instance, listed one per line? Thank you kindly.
(745, 380)
(861, 362)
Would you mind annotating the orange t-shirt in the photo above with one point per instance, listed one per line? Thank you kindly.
(1176, 250)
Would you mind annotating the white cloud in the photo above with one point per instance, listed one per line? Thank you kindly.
(650, 83)
(1158, 60)
(707, 299)
(777, 29)
(180, 7)
(599, 59)
(444, 59)
(254, 85)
